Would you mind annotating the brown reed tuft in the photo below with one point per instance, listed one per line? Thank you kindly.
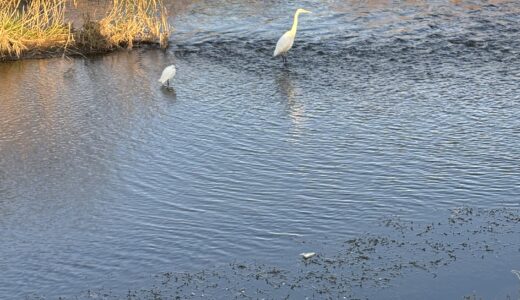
(131, 21)
(40, 25)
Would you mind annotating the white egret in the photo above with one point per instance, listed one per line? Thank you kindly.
(167, 74)
(286, 41)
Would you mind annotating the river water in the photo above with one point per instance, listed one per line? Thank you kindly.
(386, 108)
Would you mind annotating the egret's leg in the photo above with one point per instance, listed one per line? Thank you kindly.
(168, 82)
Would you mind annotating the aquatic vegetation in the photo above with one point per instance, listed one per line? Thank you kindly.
(40, 26)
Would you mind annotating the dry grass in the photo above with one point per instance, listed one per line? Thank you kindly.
(40, 25)
(130, 21)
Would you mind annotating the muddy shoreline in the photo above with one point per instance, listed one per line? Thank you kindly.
(75, 52)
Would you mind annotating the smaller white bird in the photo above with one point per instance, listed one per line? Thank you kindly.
(286, 41)
(167, 74)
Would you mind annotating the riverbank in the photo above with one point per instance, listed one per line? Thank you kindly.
(40, 29)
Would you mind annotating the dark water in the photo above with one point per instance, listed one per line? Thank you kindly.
(387, 108)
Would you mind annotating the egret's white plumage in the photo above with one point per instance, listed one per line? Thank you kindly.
(286, 41)
(167, 75)
(284, 44)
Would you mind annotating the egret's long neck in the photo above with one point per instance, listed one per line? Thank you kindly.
(295, 23)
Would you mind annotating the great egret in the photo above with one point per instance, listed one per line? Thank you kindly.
(286, 41)
(167, 74)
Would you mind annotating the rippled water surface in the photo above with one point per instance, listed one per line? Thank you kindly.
(386, 108)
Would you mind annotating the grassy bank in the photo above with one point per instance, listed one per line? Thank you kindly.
(40, 28)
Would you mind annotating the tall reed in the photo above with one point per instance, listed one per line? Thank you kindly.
(130, 21)
(37, 25)
(40, 25)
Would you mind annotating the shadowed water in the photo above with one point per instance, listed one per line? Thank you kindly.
(385, 108)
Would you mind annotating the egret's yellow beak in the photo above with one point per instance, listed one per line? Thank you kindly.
(301, 10)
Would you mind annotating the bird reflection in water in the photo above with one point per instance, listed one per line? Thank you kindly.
(169, 92)
(294, 108)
